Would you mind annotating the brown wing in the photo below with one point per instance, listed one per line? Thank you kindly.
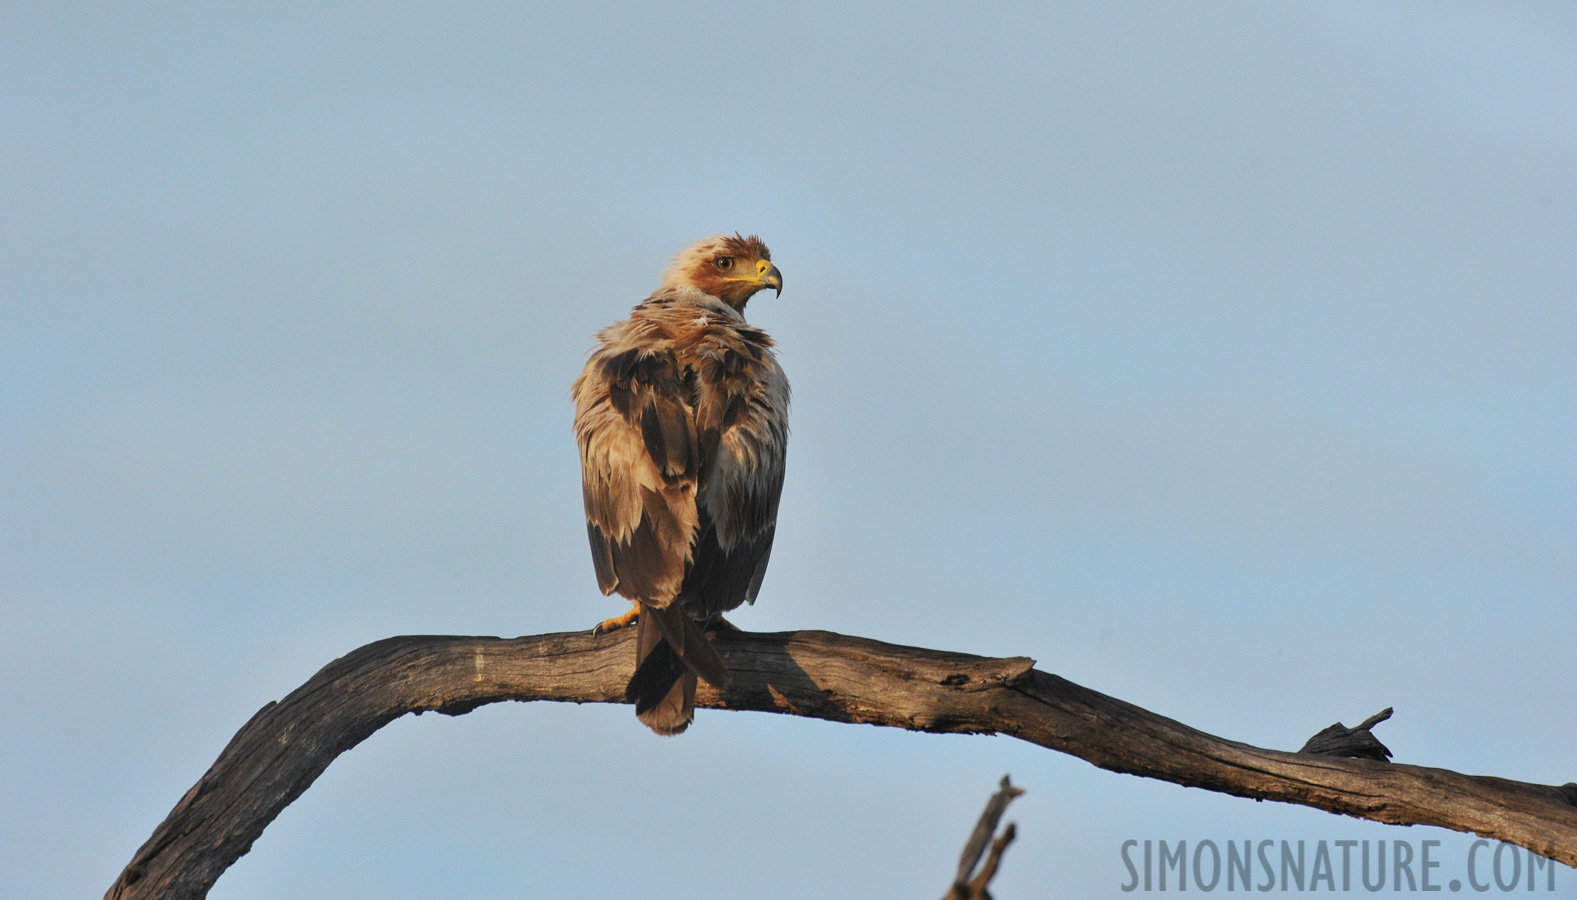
(742, 424)
(639, 464)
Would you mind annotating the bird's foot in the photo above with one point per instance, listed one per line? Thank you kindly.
(617, 622)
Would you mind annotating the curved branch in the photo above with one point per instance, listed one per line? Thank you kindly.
(286, 745)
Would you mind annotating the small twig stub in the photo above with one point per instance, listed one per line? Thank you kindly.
(1359, 743)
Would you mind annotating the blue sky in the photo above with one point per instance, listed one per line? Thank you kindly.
(1222, 357)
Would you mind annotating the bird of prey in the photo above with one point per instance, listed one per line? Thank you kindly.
(682, 419)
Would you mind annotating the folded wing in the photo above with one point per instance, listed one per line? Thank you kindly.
(639, 468)
(741, 409)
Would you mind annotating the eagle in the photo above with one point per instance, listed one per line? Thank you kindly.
(681, 414)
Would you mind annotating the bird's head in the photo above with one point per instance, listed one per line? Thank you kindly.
(730, 268)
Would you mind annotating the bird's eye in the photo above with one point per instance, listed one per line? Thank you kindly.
(725, 263)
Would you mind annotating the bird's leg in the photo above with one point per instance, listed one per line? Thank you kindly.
(721, 624)
(617, 622)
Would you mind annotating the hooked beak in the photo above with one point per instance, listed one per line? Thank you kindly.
(774, 280)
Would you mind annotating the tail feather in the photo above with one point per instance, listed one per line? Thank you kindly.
(686, 638)
(664, 683)
(656, 669)
(674, 712)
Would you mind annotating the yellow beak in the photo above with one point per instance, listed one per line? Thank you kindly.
(770, 277)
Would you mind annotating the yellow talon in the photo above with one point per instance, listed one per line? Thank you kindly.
(617, 622)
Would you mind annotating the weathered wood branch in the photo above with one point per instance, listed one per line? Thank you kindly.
(286, 745)
(971, 883)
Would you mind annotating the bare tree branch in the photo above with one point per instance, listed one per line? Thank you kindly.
(286, 745)
(967, 888)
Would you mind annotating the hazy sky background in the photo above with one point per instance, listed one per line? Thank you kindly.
(1220, 356)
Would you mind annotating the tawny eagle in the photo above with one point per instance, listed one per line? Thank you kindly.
(682, 418)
